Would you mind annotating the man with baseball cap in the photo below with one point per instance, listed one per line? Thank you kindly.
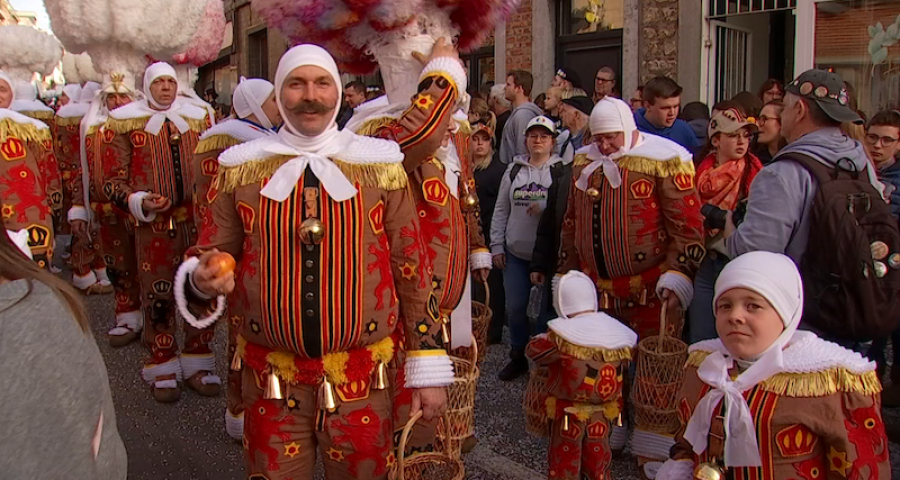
(574, 113)
(778, 212)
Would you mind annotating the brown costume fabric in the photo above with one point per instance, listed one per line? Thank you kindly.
(24, 201)
(834, 435)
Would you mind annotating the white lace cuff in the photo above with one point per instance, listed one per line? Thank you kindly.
(676, 470)
(234, 425)
(678, 283)
(187, 268)
(151, 372)
(651, 445)
(136, 207)
(450, 68)
(428, 368)
(78, 212)
(480, 260)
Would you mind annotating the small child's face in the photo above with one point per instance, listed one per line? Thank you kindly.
(746, 322)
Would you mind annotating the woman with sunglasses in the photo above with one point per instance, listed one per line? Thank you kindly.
(769, 141)
(723, 183)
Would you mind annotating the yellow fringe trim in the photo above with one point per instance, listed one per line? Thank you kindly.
(25, 132)
(334, 364)
(386, 176)
(814, 384)
(581, 159)
(130, 124)
(590, 353)
(464, 127)
(40, 115)
(657, 168)
(92, 129)
(216, 142)
(583, 411)
(68, 121)
(370, 127)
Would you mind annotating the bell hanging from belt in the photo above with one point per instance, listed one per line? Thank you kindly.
(604, 301)
(273, 388)
(468, 201)
(171, 223)
(619, 420)
(326, 396)
(236, 363)
(565, 422)
(593, 193)
(643, 300)
(709, 471)
(312, 231)
(175, 138)
(381, 376)
(445, 330)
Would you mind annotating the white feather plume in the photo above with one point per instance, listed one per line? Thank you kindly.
(26, 50)
(70, 68)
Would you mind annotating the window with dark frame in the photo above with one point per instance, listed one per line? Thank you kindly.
(258, 54)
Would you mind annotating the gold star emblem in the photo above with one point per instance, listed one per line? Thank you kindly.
(335, 455)
(8, 211)
(838, 462)
(145, 266)
(292, 449)
(408, 271)
(424, 101)
(390, 460)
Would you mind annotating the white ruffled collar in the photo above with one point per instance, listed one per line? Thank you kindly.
(14, 116)
(594, 330)
(141, 109)
(73, 110)
(355, 149)
(29, 106)
(237, 129)
(805, 353)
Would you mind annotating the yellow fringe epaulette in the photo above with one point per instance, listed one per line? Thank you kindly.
(581, 160)
(814, 384)
(464, 127)
(371, 127)
(130, 124)
(216, 142)
(41, 115)
(590, 353)
(68, 121)
(657, 168)
(92, 129)
(386, 176)
(26, 132)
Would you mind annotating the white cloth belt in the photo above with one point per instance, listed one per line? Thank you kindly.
(610, 168)
(285, 179)
(741, 446)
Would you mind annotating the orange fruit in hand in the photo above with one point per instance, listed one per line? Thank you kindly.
(225, 262)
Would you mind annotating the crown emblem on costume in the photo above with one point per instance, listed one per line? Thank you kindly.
(13, 149)
(164, 341)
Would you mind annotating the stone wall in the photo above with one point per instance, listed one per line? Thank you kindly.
(658, 20)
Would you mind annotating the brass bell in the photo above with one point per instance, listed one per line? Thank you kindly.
(381, 377)
(565, 422)
(445, 331)
(171, 223)
(708, 471)
(175, 138)
(643, 300)
(326, 396)
(273, 388)
(312, 231)
(593, 193)
(469, 201)
(619, 420)
(236, 363)
(605, 302)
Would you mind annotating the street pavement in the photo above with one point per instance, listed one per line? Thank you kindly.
(187, 440)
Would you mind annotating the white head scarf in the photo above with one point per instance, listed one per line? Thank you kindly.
(308, 151)
(775, 278)
(25, 99)
(248, 98)
(73, 91)
(576, 293)
(12, 86)
(610, 115)
(161, 113)
(88, 91)
(25, 91)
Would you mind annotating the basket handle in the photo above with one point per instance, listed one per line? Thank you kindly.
(474, 353)
(403, 439)
(662, 324)
(487, 295)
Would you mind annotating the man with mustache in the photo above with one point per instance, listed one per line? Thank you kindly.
(324, 228)
(145, 151)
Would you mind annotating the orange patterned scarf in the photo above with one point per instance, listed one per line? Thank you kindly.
(725, 185)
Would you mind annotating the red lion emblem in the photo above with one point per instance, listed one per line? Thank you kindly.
(23, 183)
(363, 430)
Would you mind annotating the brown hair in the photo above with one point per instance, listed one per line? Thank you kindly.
(523, 79)
(16, 266)
(660, 87)
(479, 108)
(768, 84)
(888, 118)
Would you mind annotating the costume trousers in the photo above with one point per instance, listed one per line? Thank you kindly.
(282, 437)
(644, 319)
(87, 254)
(117, 244)
(582, 452)
(233, 397)
(159, 253)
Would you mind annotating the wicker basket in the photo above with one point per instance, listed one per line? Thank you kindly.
(481, 323)
(425, 466)
(660, 370)
(459, 422)
(534, 403)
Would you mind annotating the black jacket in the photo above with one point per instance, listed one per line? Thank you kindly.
(545, 257)
(487, 186)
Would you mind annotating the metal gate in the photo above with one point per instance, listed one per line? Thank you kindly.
(730, 58)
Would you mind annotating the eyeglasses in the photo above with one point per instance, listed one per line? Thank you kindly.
(604, 80)
(539, 136)
(873, 139)
(763, 119)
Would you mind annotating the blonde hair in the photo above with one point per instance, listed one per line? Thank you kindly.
(16, 266)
